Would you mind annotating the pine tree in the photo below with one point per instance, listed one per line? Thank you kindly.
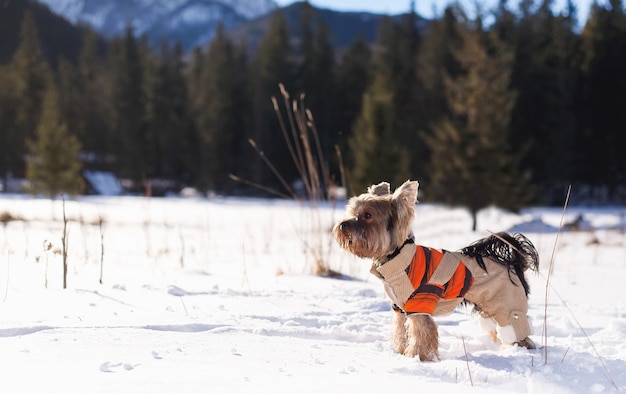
(218, 109)
(30, 73)
(7, 126)
(128, 107)
(604, 46)
(565, 67)
(436, 60)
(353, 78)
(152, 134)
(273, 64)
(317, 63)
(195, 92)
(94, 125)
(545, 75)
(168, 118)
(471, 162)
(70, 96)
(53, 166)
(377, 154)
(399, 45)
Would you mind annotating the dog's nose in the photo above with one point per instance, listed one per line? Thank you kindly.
(345, 227)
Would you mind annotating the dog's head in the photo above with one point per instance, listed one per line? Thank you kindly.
(377, 222)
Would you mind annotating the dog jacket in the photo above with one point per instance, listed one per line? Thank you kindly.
(417, 284)
(420, 279)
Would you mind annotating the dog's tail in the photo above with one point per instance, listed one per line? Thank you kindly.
(514, 251)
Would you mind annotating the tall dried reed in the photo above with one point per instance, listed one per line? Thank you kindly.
(301, 136)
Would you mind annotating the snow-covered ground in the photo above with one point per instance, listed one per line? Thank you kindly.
(218, 296)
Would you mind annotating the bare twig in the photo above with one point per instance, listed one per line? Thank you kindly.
(182, 301)
(299, 162)
(182, 247)
(550, 270)
(258, 186)
(342, 170)
(100, 223)
(550, 287)
(565, 354)
(469, 371)
(297, 158)
(245, 268)
(64, 241)
(305, 149)
(6, 289)
(606, 369)
(271, 167)
(504, 240)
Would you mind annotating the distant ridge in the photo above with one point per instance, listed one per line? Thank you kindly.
(191, 22)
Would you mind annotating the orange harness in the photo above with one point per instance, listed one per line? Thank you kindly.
(418, 277)
(426, 295)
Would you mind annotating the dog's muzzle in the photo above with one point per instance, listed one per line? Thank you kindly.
(345, 227)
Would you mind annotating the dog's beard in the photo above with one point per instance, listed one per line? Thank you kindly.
(363, 243)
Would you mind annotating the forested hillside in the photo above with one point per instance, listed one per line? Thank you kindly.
(506, 113)
(58, 36)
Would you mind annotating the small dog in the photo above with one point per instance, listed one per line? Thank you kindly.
(423, 282)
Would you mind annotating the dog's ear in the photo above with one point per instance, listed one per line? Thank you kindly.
(382, 189)
(407, 193)
(403, 208)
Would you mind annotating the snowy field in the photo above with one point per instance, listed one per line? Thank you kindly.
(218, 296)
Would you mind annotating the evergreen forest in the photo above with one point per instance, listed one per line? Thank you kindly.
(508, 107)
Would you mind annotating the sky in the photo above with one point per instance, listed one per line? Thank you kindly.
(425, 8)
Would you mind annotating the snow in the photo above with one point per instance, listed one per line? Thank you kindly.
(70, 9)
(251, 9)
(217, 295)
(104, 183)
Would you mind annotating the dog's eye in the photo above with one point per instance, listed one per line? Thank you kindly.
(367, 216)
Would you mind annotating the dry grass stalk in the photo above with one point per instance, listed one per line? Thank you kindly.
(342, 170)
(303, 143)
(181, 237)
(469, 371)
(100, 227)
(6, 287)
(65, 241)
(595, 350)
(550, 271)
(550, 287)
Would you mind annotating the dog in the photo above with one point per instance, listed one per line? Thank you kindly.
(423, 282)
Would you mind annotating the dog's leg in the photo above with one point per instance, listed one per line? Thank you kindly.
(510, 329)
(399, 335)
(488, 325)
(527, 343)
(423, 337)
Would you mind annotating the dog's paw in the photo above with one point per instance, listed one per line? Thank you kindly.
(423, 337)
(399, 347)
(423, 355)
(425, 352)
(430, 357)
(527, 343)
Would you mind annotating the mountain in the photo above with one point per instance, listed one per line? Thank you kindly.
(345, 27)
(192, 22)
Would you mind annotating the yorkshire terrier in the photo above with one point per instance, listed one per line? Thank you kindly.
(423, 282)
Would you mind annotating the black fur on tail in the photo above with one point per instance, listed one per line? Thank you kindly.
(514, 251)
